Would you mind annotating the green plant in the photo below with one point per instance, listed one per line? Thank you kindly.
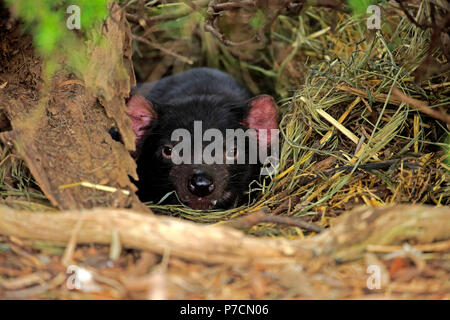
(46, 20)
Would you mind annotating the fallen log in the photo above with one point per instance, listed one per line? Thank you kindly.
(347, 239)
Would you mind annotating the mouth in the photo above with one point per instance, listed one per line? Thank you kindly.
(201, 203)
(209, 203)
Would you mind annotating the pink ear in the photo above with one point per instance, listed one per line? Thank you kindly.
(262, 115)
(141, 113)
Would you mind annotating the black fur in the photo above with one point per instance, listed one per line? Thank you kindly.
(204, 94)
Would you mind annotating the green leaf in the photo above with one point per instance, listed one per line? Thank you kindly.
(359, 7)
(258, 20)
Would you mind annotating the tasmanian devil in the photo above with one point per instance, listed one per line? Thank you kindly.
(187, 129)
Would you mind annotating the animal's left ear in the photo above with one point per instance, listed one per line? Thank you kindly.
(262, 115)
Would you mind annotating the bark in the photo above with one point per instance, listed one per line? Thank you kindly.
(347, 239)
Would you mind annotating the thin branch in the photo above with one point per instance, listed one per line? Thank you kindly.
(159, 47)
(252, 219)
(421, 106)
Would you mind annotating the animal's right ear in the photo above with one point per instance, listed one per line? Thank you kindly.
(142, 115)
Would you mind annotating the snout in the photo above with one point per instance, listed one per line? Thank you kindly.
(200, 187)
(201, 183)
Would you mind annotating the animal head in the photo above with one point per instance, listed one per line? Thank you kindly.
(203, 147)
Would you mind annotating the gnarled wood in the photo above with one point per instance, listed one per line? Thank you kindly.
(347, 239)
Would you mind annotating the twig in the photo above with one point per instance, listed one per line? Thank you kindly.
(421, 106)
(25, 281)
(139, 18)
(381, 97)
(429, 247)
(159, 47)
(437, 86)
(214, 10)
(72, 81)
(252, 219)
(232, 5)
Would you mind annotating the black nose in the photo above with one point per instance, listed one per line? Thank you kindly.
(201, 184)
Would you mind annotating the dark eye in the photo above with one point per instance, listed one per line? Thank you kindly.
(167, 151)
(232, 153)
